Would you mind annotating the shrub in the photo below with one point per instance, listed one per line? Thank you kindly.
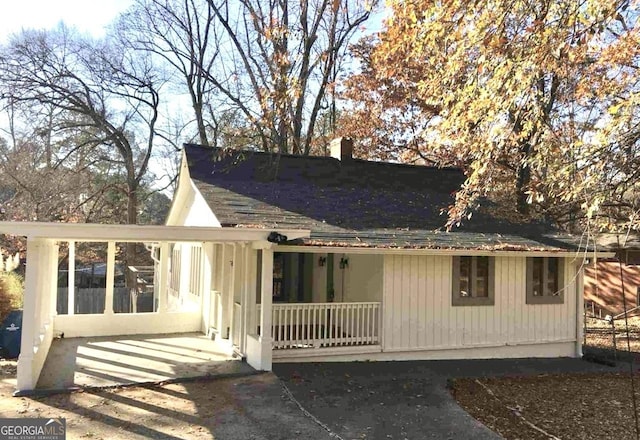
(11, 293)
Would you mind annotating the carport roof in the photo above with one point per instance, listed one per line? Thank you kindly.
(94, 232)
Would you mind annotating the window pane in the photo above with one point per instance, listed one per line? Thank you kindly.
(538, 271)
(482, 277)
(552, 276)
(465, 275)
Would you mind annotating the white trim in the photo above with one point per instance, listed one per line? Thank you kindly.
(181, 193)
(305, 352)
(71, 279)
(126, 324)
(466, 346)
(464, 252)
(534, 350)
(110, 276)
(93, 232)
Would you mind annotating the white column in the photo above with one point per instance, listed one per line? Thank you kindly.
(224, 291)
(53, 279)
(266, 300)
(207, 298)
(111, 261)
(30, 324)
(163, 277)
(247, 298)
(71, 275)
(229, 297)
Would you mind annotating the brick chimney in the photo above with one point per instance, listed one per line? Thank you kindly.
(342, 148)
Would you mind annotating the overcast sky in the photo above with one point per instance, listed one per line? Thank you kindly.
(87, 15)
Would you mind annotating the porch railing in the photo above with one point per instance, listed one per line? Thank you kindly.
(316, 325)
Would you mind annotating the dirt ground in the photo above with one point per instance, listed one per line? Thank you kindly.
(590, 406)
(599, 334)
(567, 406)
(238, 408)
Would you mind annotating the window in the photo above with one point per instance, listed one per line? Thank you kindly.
(545, 280)
(473, 283)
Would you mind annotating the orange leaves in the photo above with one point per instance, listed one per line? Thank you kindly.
(536, 97)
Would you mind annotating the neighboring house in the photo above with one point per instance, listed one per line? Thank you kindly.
(377, 278)
(606, 279)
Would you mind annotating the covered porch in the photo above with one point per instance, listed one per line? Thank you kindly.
(184, 301)
(123, 360)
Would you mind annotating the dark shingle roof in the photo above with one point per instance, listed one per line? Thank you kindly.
(349, 203)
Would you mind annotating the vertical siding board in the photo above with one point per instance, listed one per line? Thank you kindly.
(422, 298)
(507, 293)
(398, 312)
(413, 311)
(404, 318)
(386, 295)
(440, 289)
(445, 298)
(434, 294)
(431, 301)
(519, 300)
(458, 311)
(511, 306)
(393, 329)
(407, 299)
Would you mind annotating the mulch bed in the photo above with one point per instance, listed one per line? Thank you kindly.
(566, 406)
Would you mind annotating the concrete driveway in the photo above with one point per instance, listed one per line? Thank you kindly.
(403, 400)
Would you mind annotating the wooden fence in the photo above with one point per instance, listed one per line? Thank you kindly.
(91, 300)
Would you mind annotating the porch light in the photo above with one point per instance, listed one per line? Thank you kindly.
(322, 261)
(344, 263)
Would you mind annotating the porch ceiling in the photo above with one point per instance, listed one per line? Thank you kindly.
(142, 233)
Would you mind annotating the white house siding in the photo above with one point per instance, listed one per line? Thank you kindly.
(319, 280)
(418, 314)
(362, 278)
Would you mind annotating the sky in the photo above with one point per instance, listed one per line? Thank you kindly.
(89, 16)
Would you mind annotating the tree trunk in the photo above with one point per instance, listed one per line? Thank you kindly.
(523, 180)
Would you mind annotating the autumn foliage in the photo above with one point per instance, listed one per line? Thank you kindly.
(539, 101)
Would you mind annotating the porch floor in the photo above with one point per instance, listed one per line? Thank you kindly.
(121, 360)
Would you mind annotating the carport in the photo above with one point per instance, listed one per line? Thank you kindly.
(188, 308)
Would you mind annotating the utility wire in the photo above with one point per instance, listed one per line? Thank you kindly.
(626, 325)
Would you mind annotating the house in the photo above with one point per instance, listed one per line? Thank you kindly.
(377, 278)
(290, 258)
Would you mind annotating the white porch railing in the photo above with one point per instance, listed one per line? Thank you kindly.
(315, 325)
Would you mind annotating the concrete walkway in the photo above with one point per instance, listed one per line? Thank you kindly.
(121, 360)
(403, 400)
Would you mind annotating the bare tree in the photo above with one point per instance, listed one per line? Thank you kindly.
(280, 62)
(182, 33)
(112, 91)
(257, 73)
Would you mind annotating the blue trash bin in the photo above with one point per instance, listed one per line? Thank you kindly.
(10, 334)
